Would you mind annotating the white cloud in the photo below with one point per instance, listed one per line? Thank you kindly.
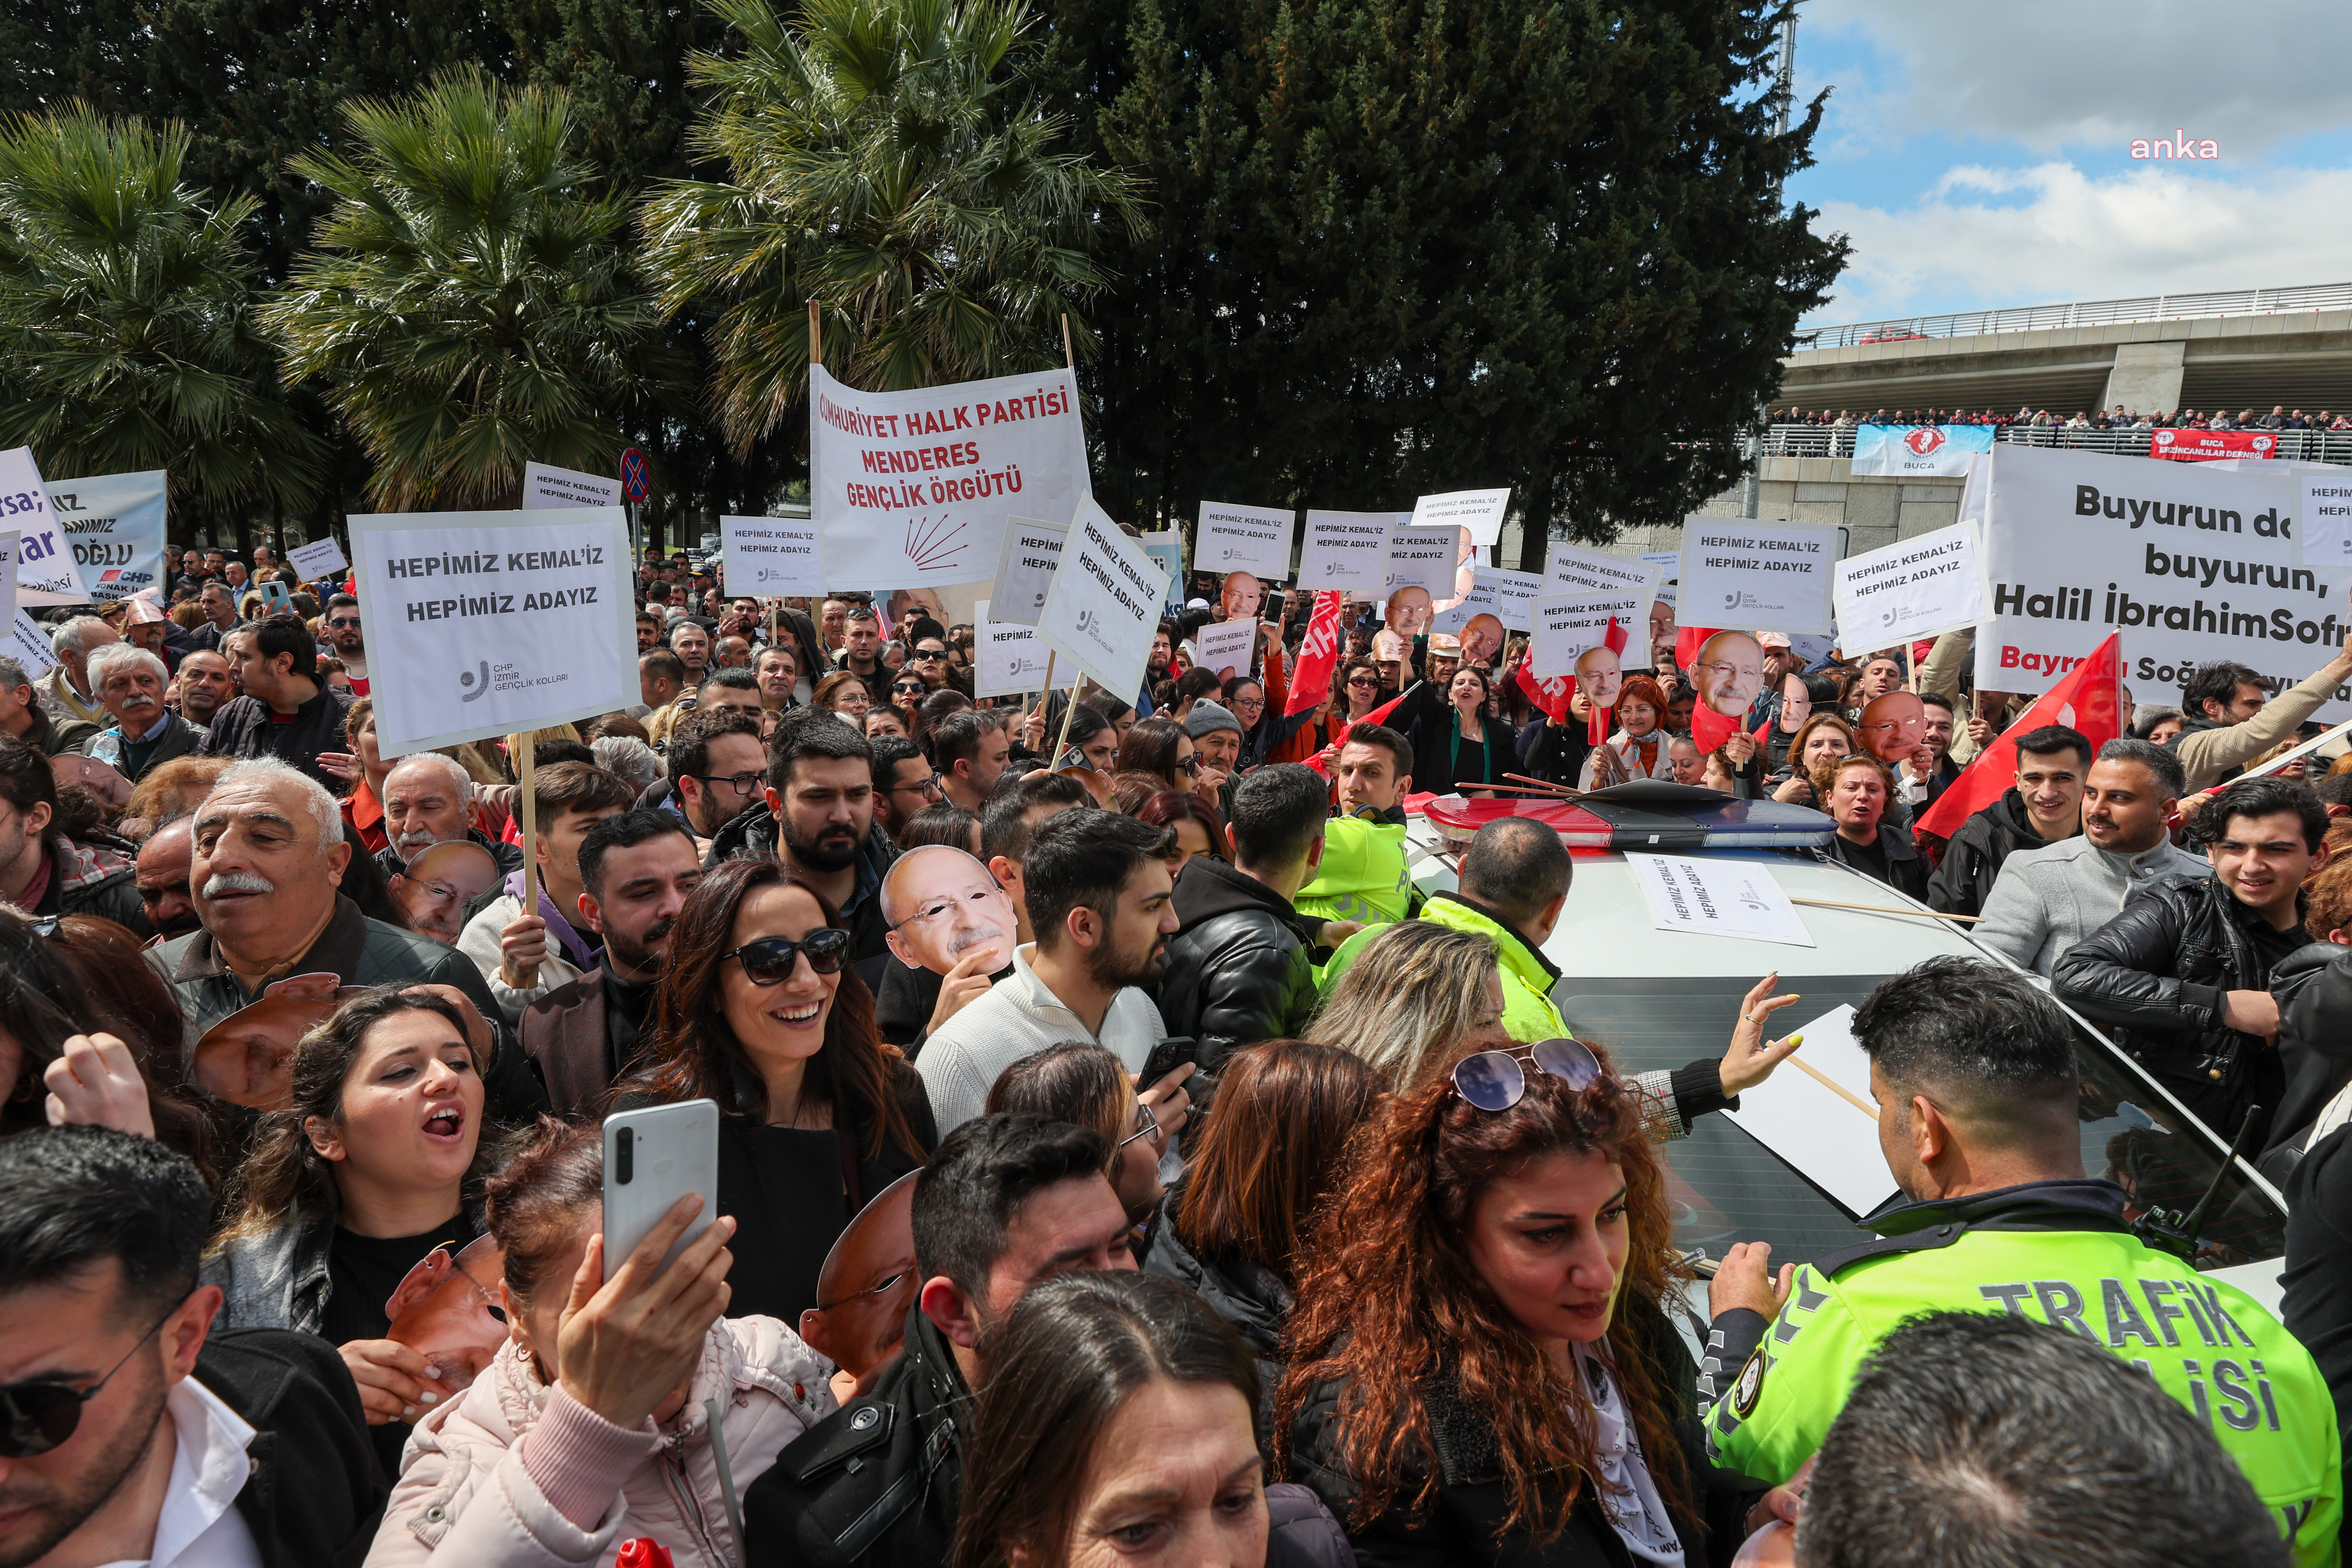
(2048, 234)
(2050, 77)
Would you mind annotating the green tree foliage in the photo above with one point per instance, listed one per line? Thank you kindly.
(887, 161)
(125, 310)
(1413, 245)
(470, 304)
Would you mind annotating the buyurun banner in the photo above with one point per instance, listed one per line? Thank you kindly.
(2192, 565)
(1908, 452)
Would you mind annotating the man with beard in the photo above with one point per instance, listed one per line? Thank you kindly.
(205, 686)
(342, 627)
(692, 645)
(717, 760)
(162, 879)
(635, 872)
(1098, 890)
(522, 951)
(953, 931)
(861, 650)
(130, 684)
(428, 799)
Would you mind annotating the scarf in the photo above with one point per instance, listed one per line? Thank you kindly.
(1629, 1497)
(575, 947)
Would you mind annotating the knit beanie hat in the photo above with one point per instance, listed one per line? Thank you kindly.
(1208, 717)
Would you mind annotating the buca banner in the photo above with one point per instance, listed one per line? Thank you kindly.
(1906, 450)
(2204, 446)
(2192, 564)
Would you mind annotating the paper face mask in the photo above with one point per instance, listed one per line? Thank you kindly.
(443, 1310)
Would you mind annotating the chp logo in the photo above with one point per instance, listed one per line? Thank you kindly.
(1925, 440)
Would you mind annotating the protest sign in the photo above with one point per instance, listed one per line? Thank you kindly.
(319, 558)
(115, 524)
(1167, 549)
(2194, 565)
(1421, 558)
(28, 645)
(1480, 511)
(1345, 550)
(1226, 646)
(46, 573)
(1478, 601)
(772, 557)
(1025, 568)
(546, 488)
(1921, 588)
(1717, 898)
(1252, 539)
(1568, 625)
(1007, 661)
(1515, 595)
(1568, 570)
(913, 487)
(486, 622)
(1104, 608)
(2324, 493)
(9, 568)
(1817, 1114)
(1918, 450)
(1757, 576)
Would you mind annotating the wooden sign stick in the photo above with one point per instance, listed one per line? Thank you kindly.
(527, 789)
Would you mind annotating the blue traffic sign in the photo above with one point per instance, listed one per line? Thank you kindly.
(633, 475)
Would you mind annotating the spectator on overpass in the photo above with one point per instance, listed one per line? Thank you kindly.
(2232, 719)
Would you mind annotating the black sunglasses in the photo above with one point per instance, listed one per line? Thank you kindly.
(35, 1417)
(769, 960)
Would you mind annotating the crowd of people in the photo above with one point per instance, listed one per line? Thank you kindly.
(2119, 417)
(1120, 1157)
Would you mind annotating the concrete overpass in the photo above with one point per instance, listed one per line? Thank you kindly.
(2239, 349)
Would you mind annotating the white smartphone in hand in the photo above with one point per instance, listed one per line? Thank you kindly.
(653, 1157)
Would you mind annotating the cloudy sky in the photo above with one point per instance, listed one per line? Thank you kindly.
(1978, 155)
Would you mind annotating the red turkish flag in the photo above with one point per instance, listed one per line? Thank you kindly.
(1550, 694)
(1319, 657)
(2088, 700)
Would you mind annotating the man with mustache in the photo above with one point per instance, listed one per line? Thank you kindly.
(428, 799)
(952, 928)
(635, 872)
(129, 686)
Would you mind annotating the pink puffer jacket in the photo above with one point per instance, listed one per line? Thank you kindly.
(496, 1477)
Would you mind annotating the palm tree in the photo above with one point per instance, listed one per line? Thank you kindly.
(126, 316)
(469, 303)
(886, 163)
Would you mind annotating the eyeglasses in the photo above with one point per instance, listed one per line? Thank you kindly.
(929, 655)
(920, 787)
(347, 624)
(1494, 1080)
(1148, 1125)
(883, 1289)
(742, 784)
(35, 1417)
(1363, 680)
(939, 907)
(769, 960)
(1184, 765)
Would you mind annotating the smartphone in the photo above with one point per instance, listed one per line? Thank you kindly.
(653, 1157)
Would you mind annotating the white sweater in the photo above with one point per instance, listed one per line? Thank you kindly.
(480, 942)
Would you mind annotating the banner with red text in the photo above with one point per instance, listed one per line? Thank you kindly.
(913, 489)
(2204, 446)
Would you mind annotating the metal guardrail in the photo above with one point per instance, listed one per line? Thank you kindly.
(1837, 441)
(2085, 313)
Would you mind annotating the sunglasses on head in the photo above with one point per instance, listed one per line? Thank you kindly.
(35, 1417)
(769, 960)
(1494, 1080)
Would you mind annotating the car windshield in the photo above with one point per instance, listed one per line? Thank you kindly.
(1725, 1186)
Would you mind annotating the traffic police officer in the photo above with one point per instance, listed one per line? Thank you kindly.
(1978, 1118)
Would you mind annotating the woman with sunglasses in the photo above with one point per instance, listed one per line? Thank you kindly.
(378, 1160)
(1481, 1368)
(548, 1457)
(759, 1010)
(1359, 688)
(1158, 747)
(908, 690)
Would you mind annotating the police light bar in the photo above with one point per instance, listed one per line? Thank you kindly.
(1658, 826)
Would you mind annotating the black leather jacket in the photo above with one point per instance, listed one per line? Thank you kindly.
(1241, 969)
(2312, 986)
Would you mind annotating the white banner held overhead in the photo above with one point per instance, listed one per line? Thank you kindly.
(319, 558)
(1921, 588)
(1348, 551)
(1480, 511)
(1104, 608)
(1025, 568)
(487, 622)
(1421, 558)
(1568, 625)
(1007, 661)
(546, 488)
(912, 488)
(1757, 576)
(1226, 646)
(115, 523)
(772, 557)
(1252, 539)
(46, 573)
(28, 645)
(1568, 570)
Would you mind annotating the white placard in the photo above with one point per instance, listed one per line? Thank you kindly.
(487, 622)
(1821, 1134)
(1104, 609)
(115, 523)
(1345, 550)
(1478, 601)
(1252, 539)
(546, 488)
(1421, 558)
(319, 558)
(1166, 548)
(772, 557)
(1515, 595)
(46, 573)
(1480, 511)
(1756, 576)
(1921, 588)
(1226, 646)
(1569, 570)
(2324, 492)
(28, 645)
(1025, 568)
(1668, 561)
(912, 488)
(1007, 661)
(9, 568)
(1567, 624)
(1717, 898)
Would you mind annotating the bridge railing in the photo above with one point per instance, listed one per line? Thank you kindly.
(2085, 313)
(1837, 441)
